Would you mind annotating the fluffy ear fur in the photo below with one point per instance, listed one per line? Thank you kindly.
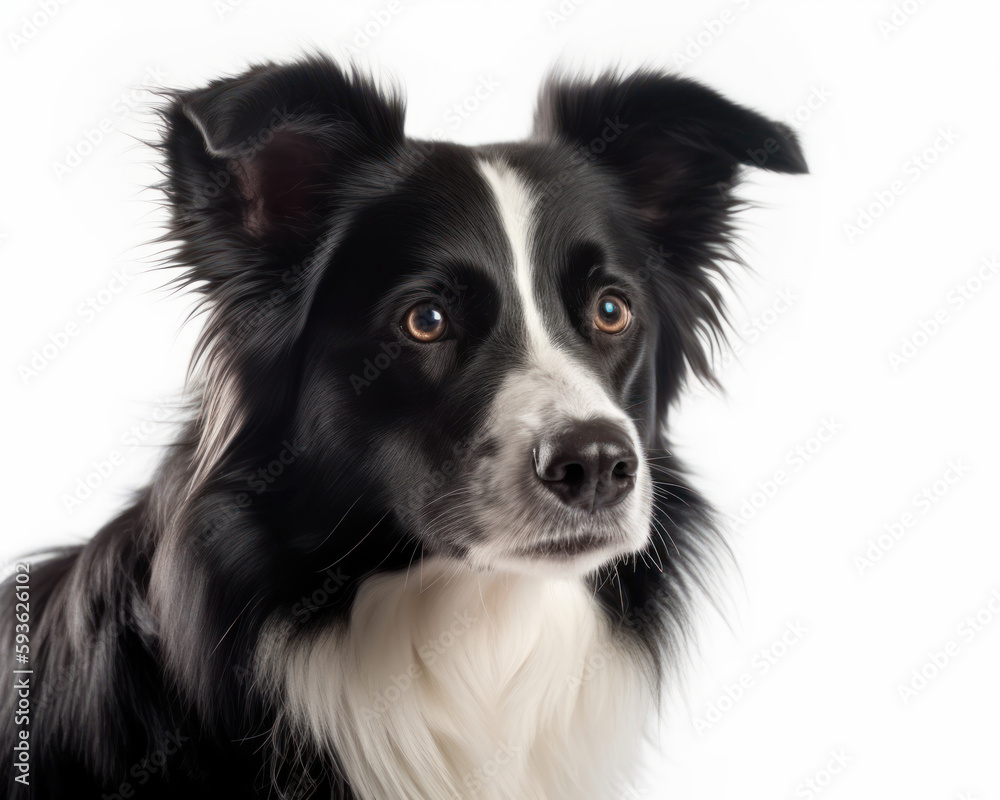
(676, 147)
(253, 162)
(256, 167)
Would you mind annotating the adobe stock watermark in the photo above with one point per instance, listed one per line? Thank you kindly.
(921, 504)
(938, 659)
(258, 314)
(958, 297)
(758, 155)
(748, 333)
(91, 138)
(585, 154)
(429, 652)
(22, 673)
(766, 659)
(155, 762)
(87, 311)
(818, 97)
(795, 461)
(374, 366)
(217, 181)
(898, 17)
(138, 434)
(378, 20)
(596, 662)
(820, 780)
(477, 780)
(708, 34)
(557, 15)
(34, 23)
(421, 495)
(306, 606)
(467, 106)
(257, 481)
(224, 8)
(913, 170)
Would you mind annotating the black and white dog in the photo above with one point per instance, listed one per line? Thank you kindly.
(422, 536)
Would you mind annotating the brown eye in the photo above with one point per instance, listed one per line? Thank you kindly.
(612, 315)
(425, 322)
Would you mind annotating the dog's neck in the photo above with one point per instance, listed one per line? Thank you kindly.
(450, 684)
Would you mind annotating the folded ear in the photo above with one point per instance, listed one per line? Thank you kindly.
(253, 161)
(667, 137)
(675, 147)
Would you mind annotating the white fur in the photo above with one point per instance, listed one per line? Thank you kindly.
(222, 417)
(553, 390)
(468, 686)
(516, 214)
(498, 678)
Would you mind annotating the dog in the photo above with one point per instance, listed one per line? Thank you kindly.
(422, 535)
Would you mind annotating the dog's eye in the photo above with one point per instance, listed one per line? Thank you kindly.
(425, 322)
(613, 314)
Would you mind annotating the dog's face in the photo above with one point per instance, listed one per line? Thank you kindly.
(501, 306)
(485, 339)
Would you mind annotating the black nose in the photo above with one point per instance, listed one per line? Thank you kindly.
(587, 465)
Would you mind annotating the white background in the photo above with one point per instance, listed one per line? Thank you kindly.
(908, 105)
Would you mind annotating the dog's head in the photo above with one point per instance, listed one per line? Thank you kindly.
(482, 342)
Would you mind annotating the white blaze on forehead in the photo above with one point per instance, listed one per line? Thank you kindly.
(553, 377)
(555, 387)
(516, 212)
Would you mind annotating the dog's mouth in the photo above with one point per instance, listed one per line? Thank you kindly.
(566, 547)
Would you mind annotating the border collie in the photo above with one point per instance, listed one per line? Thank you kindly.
(422, 536)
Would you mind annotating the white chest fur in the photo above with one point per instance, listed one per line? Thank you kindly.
(459, 685)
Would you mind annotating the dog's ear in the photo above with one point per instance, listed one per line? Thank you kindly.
(253, 161)
(676, 149)
(667, 137)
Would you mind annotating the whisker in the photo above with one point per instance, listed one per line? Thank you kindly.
(658, 526)
(356, 544)
(326, 538)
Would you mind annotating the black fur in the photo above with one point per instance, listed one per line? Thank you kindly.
(304, 218)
